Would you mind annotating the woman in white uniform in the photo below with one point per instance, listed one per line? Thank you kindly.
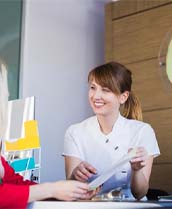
(92, 146)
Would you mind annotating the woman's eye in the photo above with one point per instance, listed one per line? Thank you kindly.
(92, 87)
(106, 89)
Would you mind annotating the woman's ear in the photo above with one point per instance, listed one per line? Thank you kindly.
(123, 97)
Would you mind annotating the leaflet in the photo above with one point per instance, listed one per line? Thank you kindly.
(111, 171)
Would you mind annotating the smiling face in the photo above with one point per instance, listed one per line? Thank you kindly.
(102, 100)
(110, 85)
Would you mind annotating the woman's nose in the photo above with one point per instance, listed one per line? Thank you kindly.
(97, 94)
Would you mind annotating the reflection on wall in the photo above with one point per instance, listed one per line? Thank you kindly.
(165, 60)
(10, 32)
(169, 62)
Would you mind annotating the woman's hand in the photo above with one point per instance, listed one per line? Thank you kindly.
(141, 166)
(139, 161)
(83, 172)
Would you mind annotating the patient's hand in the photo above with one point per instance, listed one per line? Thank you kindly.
(91, 194)
(83, 171)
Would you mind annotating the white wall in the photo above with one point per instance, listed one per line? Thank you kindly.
(62, 41)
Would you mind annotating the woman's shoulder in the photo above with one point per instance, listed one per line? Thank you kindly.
(135, 124)
(83, 125)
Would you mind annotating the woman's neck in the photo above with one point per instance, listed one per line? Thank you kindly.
(107, 123)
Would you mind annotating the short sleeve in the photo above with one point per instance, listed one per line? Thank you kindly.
(148, 140)
(71, 145)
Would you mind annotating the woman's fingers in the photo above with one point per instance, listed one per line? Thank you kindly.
(84, 171)
(139, 161)
(90, 168)
(81, 176)
(87, 169)
(141, 155)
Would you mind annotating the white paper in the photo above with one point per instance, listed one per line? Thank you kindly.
(19, 111)
(110, 172)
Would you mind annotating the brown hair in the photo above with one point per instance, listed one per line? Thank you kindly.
(118, 79)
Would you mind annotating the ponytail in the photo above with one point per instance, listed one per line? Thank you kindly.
(132, 108)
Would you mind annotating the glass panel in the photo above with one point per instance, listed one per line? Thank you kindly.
(10, 35)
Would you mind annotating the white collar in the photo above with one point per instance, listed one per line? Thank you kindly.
(117, 124)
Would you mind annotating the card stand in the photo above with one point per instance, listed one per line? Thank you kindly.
(22, 165)
(24, 155)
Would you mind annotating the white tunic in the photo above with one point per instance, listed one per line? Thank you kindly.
(86, 141)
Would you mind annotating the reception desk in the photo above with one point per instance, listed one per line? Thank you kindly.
(97, 205)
